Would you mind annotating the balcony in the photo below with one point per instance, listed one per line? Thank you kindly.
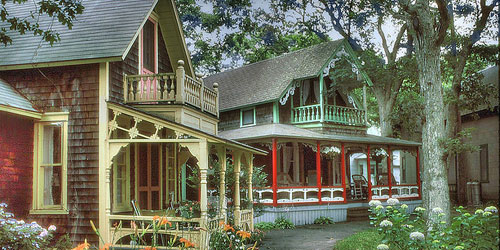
(331, 113)
(171, 88)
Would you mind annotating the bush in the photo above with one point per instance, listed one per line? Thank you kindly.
(322, 220)
(399, 230)
(283, 223)
(16, 234)
(228, 237)
(264, 226)
(368, 239)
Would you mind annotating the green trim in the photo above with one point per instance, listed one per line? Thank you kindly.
(276, 111)
(254, 117)
(350, 51)
(321, 104)
(183, 182)
(318, 124)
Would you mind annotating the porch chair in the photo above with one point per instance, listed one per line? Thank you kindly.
(360, 186)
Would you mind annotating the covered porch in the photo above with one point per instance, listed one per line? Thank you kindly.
(159, 168)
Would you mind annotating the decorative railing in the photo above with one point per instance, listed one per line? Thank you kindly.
(404, 191)
(380, 192)
(171, 88)
(332, 194)
(287, 195)
(345, 115)
(264, 195)
(246, 219)
(335, 114)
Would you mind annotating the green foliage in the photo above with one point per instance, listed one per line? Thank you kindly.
(63, 243)
(64, 11)
(456, 144)
(264, 226)
(228, 237)
(189, 209)
(322, 220)
(400, 230)
(408, 111)
(283, 223)
(364, 240)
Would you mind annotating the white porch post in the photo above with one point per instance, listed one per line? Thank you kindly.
(221, 153)
(104, 162)
(237, 167)
(203, 164)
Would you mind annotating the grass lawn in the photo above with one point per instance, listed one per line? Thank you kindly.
(368, 239)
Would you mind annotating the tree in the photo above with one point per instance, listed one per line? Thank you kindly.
(64, 10)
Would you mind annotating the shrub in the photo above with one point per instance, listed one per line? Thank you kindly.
(264, 226)
(322, 220)
(283, 223)
(17, 234)
(399, 230)
(228, 237)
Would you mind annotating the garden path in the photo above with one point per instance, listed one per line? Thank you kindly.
(314, 237)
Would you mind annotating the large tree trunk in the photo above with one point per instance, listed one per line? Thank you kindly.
(384, 110)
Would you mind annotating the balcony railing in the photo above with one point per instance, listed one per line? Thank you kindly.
(177, 88)
(335, 114)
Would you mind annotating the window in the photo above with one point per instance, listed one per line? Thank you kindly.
(483, 162)
(50, 164)
(148, 46)
(121, 181)
(247, 117)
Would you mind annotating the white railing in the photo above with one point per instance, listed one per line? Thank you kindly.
(345, 115)
(294, 195)
(192, 91)
(264, 195)
(404, 191)
(334, 193)
(308, 113)
(379, 193)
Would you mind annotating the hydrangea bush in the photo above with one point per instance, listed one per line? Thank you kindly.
(402, 230)
(17, 234)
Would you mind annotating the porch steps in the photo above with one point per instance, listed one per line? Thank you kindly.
(357, 213)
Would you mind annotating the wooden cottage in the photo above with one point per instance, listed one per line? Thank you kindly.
(308, 110)
(107, 120)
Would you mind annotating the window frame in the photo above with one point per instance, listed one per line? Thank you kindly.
(37, 200)
(125, 205)
(152, 18)
(484, 147)
(241, 117)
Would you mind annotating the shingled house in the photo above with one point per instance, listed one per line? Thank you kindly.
(109, 115)
(303, 109)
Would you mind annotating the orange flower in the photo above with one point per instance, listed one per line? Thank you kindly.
(156, 217)
(106, 246)
(228, 227)
(83, 246)
(221, 223)
(149, 248)
(244, 234)
(186, 242)
(165, 221)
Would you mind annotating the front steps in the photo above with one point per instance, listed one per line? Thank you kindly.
(357, 213)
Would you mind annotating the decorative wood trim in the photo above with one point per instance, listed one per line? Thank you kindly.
(19, 111)
(60, 63)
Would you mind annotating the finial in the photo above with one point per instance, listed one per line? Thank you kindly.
(180, 62)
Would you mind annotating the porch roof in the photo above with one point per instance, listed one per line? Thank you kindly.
(196, 132)
(289, 131)
(12, 100)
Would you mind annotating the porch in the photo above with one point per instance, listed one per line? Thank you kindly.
(150, 161)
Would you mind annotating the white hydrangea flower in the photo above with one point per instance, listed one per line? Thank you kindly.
(379, 207)
(52, 228)
(404, 206)
(487, 213)
(479, 211)
(437, 210)
(419, 209)
(392, 201)
(491, 209)
(374, 203)
(417, 236)
(382, 247)
(385, 223)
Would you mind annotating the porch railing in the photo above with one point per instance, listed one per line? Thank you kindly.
(175, 87)
(335, 114)
(290, 195)
(396, 191)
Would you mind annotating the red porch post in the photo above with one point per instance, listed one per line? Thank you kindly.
(418, 175)
(389, 171)
(342, 163)
(318, 170)
(369, 171)
(275, 173)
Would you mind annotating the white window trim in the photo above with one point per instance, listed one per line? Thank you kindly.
(125, 205)
(37, 199)
(254, 117)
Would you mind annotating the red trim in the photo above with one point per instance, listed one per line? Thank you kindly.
(375, 186)
(275, 172)
(331, 187)
(389, 170)
(418, 174)
(404, 185)
(369, 171)
(342, 163)
(318, 170)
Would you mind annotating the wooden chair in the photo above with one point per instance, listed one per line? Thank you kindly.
(360, 185)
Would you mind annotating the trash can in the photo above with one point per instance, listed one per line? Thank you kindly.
(474, 193)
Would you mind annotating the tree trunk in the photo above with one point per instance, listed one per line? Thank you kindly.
(384, 110)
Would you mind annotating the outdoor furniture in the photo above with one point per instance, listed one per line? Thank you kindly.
(360, 186)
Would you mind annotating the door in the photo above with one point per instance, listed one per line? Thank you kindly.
(149, 176)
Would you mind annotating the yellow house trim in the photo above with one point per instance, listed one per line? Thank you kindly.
(38, 186)
(18, 111)
(60, 63)
(104, 162)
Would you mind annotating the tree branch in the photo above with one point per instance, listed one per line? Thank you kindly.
(444, 23)
(397, 42)
(384, 41)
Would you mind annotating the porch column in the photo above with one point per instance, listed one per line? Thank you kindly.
(321, 101)
(318, 170)
(203, 164)
(369, 171)
(342, 164)
(221, 153)
(419, 185)
(179, 76)
(237, 167)
(250, 185)
(389, 172)
(275, 173)
(364, 105)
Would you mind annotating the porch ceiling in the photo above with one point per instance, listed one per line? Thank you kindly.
(151, 117)
(289, 131)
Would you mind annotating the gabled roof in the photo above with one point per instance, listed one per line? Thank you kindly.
(104, 31)
(267, 80)
(277, 130)
(12, 101)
